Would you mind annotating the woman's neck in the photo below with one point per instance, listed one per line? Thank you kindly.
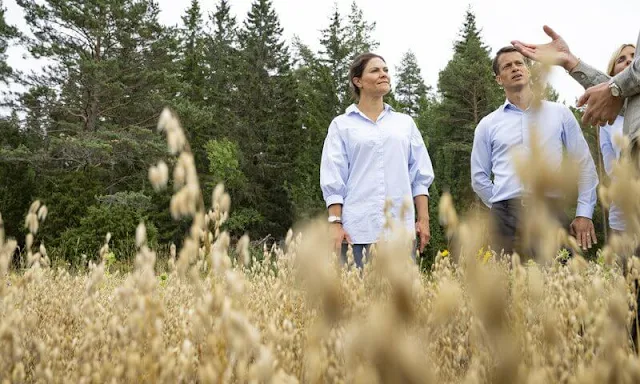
(372, 107)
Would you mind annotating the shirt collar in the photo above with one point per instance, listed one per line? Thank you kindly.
(353, 108)
(509, 105)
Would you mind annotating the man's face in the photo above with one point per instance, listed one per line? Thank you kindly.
(513, 73)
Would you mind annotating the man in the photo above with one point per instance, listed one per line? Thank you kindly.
(508, 127)
(604, 96)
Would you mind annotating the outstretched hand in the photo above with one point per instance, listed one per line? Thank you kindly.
(556, 52)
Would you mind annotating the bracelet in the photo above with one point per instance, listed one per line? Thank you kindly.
(574, 67)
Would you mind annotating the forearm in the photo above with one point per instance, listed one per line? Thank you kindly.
(587, 190)
(585, 74)
(422, 206)
(629, 79)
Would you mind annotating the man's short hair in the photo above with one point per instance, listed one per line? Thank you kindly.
(507, 49)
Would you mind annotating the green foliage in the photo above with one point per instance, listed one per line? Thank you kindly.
(468, 93)
(254, 108)
(241, 219)
(412, 93)
(224, 165)
(7, 33)
(118, 214)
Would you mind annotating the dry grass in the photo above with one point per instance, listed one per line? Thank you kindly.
(298, 316)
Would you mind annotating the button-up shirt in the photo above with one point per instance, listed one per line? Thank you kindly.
(610, 154)
(508, 127)
(366, 162)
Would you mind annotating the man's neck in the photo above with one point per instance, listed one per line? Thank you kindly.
(521, 98)
(371, 107)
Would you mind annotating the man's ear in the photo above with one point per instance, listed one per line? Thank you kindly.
(498, 80)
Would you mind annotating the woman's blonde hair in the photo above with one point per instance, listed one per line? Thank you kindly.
(612, 61)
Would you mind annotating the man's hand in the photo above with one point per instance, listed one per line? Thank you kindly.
(556, 52)
(338, 234)
(423, 231)
(602, 106)
(584, 232)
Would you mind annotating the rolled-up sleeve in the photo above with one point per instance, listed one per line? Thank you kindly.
(578, 148)
(334, 167)
(420, 167)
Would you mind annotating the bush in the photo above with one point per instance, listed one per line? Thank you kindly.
(119, 214)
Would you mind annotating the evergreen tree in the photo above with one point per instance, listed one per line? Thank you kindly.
(270, 126)
(318, 103)
(335, 55)
(468, 93)
(222, 53)
(108, 59)
(360, 32)
(193, 70)
(7, 33)
(94, 107)
(411, 92)
(222, 58)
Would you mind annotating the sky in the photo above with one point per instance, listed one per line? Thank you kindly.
(593, 29)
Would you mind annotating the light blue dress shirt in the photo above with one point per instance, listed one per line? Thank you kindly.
(366, 162)
(610, 154)
(507, 127)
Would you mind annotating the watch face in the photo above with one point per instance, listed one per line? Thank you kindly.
(615, 91)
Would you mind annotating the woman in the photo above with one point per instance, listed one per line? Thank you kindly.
(373, 153)
(621, 59)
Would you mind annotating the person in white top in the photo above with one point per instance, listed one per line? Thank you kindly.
(621, 59)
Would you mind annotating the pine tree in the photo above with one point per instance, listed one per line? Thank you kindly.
(411, 92)
(95, 105)
(108, 58)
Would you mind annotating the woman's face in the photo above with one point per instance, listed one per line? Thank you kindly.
(624, 59)
(375, 80)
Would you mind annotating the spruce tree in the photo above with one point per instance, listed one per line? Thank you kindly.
(270, 126)
(411, 92)
(468, 92)
(7, 34)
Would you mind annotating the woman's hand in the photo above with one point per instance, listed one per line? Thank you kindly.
(338, 235)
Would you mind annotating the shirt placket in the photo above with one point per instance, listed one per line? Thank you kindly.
(381, 174)
(524, 131)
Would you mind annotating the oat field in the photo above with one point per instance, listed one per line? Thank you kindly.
(298, 316)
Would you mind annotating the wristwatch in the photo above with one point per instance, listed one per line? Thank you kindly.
(335, 219)
(615, 90)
